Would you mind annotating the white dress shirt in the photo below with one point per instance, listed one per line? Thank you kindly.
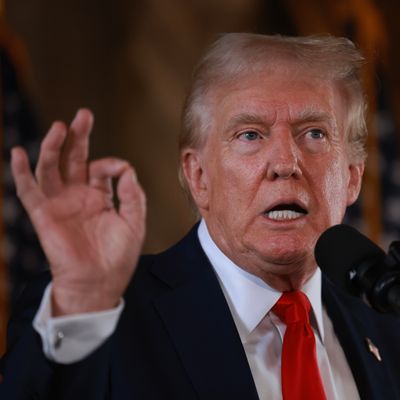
(250, 300)
(71, 338)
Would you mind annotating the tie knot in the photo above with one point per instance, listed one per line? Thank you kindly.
(293, 307)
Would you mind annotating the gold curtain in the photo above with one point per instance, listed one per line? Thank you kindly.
(12, 46)
(3, 272)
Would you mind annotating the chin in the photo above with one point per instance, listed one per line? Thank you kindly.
(292, 257)
(284, 250)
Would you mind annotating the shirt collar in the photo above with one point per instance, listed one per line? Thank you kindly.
(249, 297)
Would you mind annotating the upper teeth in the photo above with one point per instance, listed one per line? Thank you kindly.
(284, 214)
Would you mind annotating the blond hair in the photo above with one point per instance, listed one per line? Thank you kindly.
(235, 55)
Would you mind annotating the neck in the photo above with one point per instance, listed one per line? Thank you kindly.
(293, 280)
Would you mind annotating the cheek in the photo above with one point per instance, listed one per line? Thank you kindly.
(233, 183)
(334, 191)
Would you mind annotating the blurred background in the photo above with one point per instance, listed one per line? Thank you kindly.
(131, 61)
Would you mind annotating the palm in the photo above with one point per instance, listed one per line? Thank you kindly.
(91, 246)
(78, 226)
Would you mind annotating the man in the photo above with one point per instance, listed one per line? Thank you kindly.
(272, 153)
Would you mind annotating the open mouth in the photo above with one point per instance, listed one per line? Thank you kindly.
(285, 212)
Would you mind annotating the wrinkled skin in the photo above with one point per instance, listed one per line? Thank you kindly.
(275, 138)
(91, 246)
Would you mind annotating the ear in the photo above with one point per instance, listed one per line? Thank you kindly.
(355, 179)
(195, 175)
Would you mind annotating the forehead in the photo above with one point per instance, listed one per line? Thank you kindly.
(272, 96)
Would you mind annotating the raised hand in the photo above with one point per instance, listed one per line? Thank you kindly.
(91, 246)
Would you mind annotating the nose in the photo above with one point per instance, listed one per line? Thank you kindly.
(283, 157)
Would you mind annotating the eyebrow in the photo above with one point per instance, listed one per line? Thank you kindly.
(306, 115)
(243, 119)
(313, 115)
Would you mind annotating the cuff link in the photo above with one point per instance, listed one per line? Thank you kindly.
(58, 339)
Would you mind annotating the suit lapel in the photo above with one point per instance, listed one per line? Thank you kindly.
(200, 324)
(354, 326)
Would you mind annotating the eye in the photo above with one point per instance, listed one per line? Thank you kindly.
(316, 134)
(249, 136)
(315, 140)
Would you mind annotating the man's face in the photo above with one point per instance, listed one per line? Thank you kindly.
(274, 172)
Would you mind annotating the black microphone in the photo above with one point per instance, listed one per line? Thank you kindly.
(358, 265)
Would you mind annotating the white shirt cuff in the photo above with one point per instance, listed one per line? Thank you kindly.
(71, 338)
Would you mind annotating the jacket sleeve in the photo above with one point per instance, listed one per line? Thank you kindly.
(28, 374)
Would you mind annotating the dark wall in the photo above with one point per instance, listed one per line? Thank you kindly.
(130, 61)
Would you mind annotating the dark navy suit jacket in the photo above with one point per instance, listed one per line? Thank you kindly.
(176, 339)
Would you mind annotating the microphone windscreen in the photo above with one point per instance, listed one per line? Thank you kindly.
(341, 248)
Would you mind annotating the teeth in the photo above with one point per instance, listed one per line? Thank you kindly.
(283, 215)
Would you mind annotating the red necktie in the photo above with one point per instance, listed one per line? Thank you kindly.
(300, 373)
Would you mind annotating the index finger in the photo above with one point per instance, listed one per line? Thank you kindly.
(27, 188)
(76, 150)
